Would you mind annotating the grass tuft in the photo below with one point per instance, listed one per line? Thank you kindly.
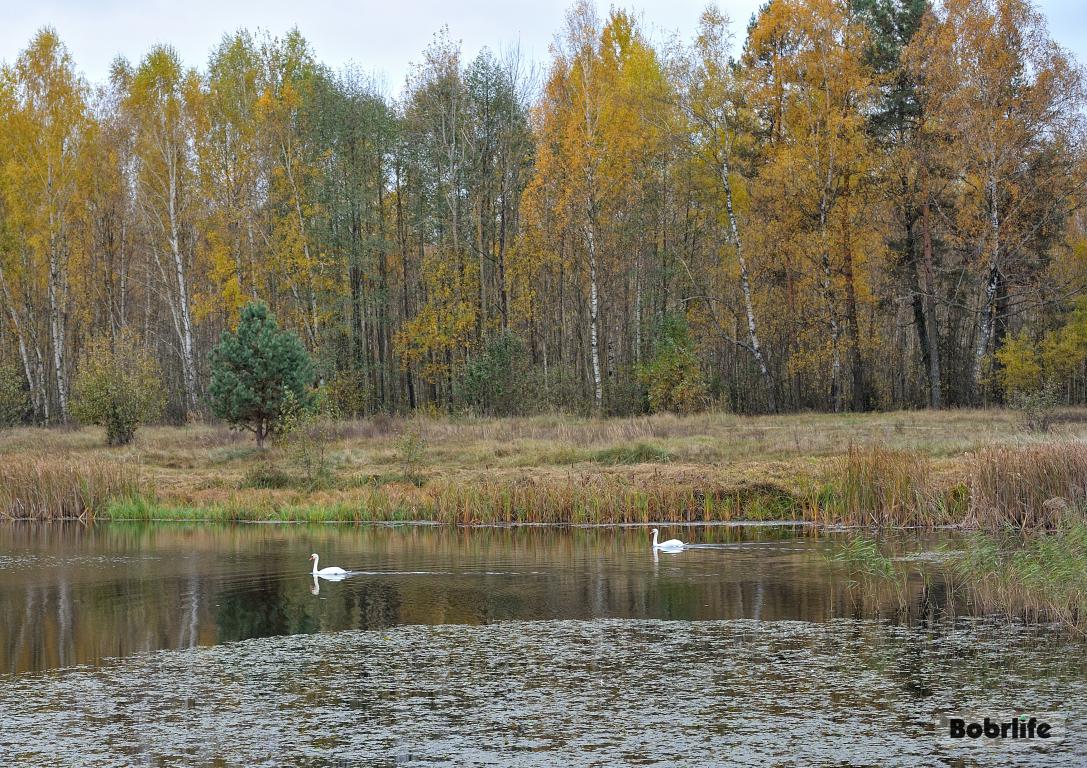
(640, 453)
(863, 557)
(1041, 577)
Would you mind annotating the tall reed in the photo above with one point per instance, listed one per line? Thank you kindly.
(1027, 487)
(49, 488)
(875, 486)
(1039, 576)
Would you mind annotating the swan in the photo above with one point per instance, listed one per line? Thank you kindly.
(332, 570)
(671, 544)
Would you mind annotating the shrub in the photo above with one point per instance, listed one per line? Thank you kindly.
(305, 433)
(494, 382)
(673, 378)
(254, 368)
(410, 452)
(624, 394)
(14, 403)
(118, 386)
(1038, 408)
(351, 393)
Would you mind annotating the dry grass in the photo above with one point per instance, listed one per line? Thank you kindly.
(873, 469)
(45, 487)
(877, 486)
(1029, 487)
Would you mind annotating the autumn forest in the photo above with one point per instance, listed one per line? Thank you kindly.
(843, 205)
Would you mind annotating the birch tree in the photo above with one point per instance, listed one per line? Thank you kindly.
(50, 125)
(720, 124)
(161, 102)
(1011, 100)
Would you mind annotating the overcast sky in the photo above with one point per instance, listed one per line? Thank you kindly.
(380, 37)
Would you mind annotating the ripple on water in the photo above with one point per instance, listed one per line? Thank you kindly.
(599, 692)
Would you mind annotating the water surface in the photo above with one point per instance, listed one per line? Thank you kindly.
(199, 645)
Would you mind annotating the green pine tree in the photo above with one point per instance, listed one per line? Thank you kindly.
(254, 369)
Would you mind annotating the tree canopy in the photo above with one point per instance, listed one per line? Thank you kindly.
(851, 204)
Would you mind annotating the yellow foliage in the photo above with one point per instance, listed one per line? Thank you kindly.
(1020, 369)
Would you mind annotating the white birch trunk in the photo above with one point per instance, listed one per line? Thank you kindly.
(56, 325)
(985, 317)
(590, 241)
(183, 313)
(745, 286)
(828, 295)
(24, 352)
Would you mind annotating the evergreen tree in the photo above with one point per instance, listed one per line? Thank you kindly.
(254, 369)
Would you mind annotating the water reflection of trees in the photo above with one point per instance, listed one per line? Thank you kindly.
(70, 594)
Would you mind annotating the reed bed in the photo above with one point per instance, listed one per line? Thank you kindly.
(1040, 577)
(51, 488)
(877, 487)
(1027, 487)
(585, 499)
(967, 468)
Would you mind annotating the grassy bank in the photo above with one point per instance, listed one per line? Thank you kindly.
(916, 468)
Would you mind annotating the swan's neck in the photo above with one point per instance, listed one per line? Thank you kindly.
(654, 538)
(315, 561)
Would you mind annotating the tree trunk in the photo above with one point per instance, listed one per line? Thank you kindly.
(590, 242)
(745, 286)
(858, 380)
(985, 316)
(184, 309)
(56, 319)
(828, 296)
(932, 328)
(36, 395)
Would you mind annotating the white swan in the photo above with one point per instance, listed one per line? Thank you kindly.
(671, 544)
(331, 571)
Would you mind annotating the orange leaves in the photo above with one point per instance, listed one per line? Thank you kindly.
(604, 119)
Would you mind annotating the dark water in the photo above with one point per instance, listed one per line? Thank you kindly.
(527, 646)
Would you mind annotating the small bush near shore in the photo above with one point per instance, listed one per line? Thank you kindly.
(118, 386)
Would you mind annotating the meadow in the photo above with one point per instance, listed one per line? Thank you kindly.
(976, 468)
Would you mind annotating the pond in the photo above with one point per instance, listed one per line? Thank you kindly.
(179, 644)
